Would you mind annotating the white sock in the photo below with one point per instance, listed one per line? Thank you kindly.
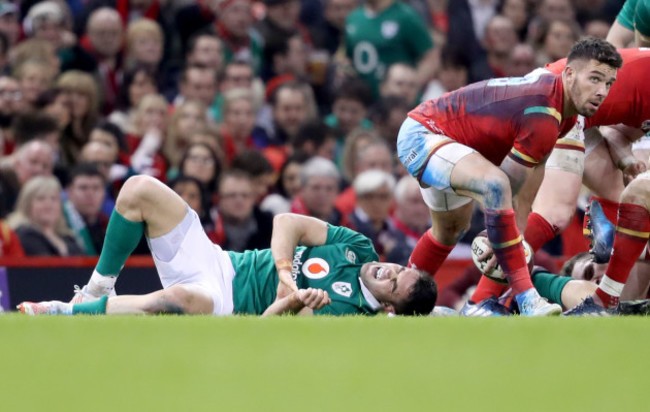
(100, 285)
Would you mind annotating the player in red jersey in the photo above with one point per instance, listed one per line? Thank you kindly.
(598, 163)
(482, 142)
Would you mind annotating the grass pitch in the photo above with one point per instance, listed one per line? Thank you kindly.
(316, 364)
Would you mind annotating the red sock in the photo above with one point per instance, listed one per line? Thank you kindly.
(429, 254)
(539, 231)
(487, 288)
(506, 243)
(632, 232)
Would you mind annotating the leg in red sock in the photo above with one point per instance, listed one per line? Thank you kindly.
(429, 254)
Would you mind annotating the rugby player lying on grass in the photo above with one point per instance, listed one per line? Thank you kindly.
(311, 267)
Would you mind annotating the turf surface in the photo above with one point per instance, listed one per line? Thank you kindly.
(316, 364)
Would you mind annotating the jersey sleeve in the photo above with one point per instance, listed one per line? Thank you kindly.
(418, 37)
(626, 15)
(360, 245)
(642, 17)
(338, 309)
(539, 128)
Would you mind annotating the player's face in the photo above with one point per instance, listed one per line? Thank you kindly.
(388, 282)
(586, 269)
(588, 84)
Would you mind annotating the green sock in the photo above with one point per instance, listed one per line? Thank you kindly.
(550, 286)
(97, 307)
(122, 236)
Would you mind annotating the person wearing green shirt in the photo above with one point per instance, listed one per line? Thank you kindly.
(311, 267)
(632, 23)
(383, 32)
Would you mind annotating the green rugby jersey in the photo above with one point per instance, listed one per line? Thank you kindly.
(375, 41)
(626, 15)
(333, 267)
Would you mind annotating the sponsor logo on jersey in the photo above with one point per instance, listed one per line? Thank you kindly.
(350, 256)
(342, 288)
(389, 29)
(315, 268)
(295, 265)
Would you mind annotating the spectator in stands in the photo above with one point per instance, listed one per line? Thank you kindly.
(236, 74)
(47, 21)
(145, 42)
(198, 83)
(319, 187)
(287, 60)
(281, 22)
(350, 107)
(353, 143)
(517, 11)
(9, 24)
(101, 156)
(411, 217)
(10, 104)
(521, 60)
(201, 162)
(238, 122)
(500, 38)
(9, 241)
(387, 116)
(555, 39)
(104, 40)
(137, 82)
(371, 217)
(188, 118)
(239, 225)
(287, 185)
(38, 220)
(145, 141)
(400, 81)
(388, 32)
(34, 77)
(191, 190)
(110, 136)
(83, 207)
(38, 126)
(55, 102)
(35, 49)
(234, 27)
(260, 170)
(210, 135)
(195, 17)
(315, 138)
(83, 98)
(372, 154)
(206, 50)
(331, 33)
(597, 26)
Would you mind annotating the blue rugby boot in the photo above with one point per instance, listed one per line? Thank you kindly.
(485, 308)
(589, 308)
(532, 304)
(601, 234)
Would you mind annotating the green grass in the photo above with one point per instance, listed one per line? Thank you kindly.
(317, 364)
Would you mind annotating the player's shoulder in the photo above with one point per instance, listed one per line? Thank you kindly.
(635, 56)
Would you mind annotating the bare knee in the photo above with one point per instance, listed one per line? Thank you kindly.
(496, 190)
(175, 299)
(558, 216)
(637, 192)
(134, 193)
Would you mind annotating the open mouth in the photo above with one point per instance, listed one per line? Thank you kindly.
(381, 273)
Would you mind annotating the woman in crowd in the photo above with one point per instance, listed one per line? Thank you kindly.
(137, 82)
(83, 100)
(188, 118)
(38, 220)
(287, 186)
(239, 115)
(34, 77)
(201, 162)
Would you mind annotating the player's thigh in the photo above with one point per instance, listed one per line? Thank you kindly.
(557, 196)
(190, 299)
(474, 175)
(601, 176)
(448, 226)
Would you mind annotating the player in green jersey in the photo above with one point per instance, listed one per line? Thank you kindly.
(632, 23)
(311, 267)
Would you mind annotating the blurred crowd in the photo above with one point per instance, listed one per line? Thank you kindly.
(244, 108)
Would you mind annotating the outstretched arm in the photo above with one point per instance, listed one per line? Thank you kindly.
(291, 230)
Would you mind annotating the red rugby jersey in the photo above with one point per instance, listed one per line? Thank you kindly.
(520, 117)
(625, 102)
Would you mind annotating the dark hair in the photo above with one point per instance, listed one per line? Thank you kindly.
(452, 57)
(186, 70)
(85, 169)
(315, 131)
(48, 97)
(4, 44)
(297, 157)
(380, 111)
(235, 62)
(355, 89)
(32, 125)
(123, 97)
(191, 44)
(422, 298)
(568, 266)
(290, 85)
(205, 199)
(115, 131)
(211, 186)
(252, 162)
(597, 49)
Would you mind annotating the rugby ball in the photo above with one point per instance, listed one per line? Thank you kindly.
(480, 244)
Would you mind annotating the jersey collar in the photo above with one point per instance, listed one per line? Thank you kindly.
(372, 301)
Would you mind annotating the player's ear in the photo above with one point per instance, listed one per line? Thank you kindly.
(388, 307)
